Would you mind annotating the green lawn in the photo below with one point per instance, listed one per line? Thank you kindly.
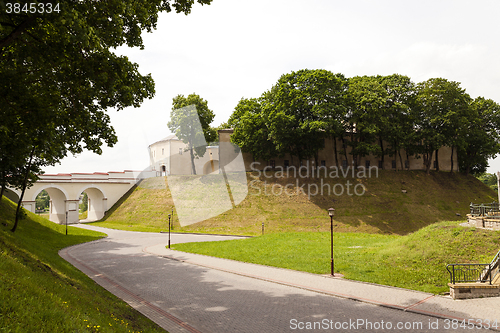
(41, 292)
(416, 261)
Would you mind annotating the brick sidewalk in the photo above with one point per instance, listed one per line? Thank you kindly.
(397, 298)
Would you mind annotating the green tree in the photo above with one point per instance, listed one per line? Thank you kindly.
(84, 206)
(396, 124)
(489, 179)
(301, 111)
(59, 74)
(439, 112)
(190, 120)
(251, 129)
(367, 99)
(215, 133)
(42, 200)
(479, 139)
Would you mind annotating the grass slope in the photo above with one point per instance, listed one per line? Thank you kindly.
(41, 292)
(416, 261)
(383, 208)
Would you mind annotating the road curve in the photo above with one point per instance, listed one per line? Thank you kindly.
(186, 297)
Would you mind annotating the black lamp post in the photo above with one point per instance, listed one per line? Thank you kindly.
(169, 231)
(331, 212)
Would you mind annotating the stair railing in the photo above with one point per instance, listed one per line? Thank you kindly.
(474, 272)
(462, 273)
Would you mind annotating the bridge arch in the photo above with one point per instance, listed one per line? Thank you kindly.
(97, 202)
(58, 202)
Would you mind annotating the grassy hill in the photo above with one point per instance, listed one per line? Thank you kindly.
(41, 292)
(393, 203)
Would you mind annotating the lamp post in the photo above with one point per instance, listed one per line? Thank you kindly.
(331, 212)
(169, 231)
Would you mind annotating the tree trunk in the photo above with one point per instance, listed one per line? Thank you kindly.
(382, 149)
(3, 185)
(25, 181)
(336, 152)
(427, 162)
(396, 158)
(345, 148)
(193, 168)
(452, 148)
(437, 160)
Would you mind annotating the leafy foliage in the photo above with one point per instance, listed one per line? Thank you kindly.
(190, 120)
(489, 179)
(374, 115)
(59, 74)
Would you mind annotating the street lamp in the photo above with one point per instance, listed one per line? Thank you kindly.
(169, 231)
(331, 212)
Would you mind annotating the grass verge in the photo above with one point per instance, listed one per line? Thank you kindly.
(41, 292)
(384, 208)
(416, 261)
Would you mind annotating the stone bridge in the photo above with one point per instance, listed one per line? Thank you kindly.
(103, 189)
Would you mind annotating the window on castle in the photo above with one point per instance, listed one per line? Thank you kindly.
(272, 163)
(394, 164)
(380, 164)
(407, 164)
(323, 163)
(286, 164)
(367, 164)
(344, 164)
(180, 151)
(163, 151)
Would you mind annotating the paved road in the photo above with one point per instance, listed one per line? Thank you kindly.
(184, 297)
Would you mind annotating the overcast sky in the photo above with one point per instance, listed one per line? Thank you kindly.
(239, 48)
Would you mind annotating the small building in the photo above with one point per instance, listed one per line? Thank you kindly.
(170, 156)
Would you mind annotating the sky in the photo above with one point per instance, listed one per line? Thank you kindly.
(235, 49)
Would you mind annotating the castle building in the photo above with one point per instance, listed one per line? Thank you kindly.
(171, 157)
(326, 158)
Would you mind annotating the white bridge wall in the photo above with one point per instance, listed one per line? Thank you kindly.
(103, 191)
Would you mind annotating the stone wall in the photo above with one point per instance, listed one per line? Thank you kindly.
(484, 222)
(473, 290)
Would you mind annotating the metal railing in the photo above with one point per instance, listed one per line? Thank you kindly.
(474, 272)
(484, 209)
(495, 266)
(469, 273)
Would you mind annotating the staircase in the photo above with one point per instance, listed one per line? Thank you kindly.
(491, 273)
(475, 280)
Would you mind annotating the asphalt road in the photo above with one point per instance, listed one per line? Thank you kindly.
(182, 297)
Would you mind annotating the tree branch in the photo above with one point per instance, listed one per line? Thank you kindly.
(16, 33)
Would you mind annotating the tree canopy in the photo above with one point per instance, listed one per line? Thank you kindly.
(190, 120)
(374, 115)
(59, 74)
